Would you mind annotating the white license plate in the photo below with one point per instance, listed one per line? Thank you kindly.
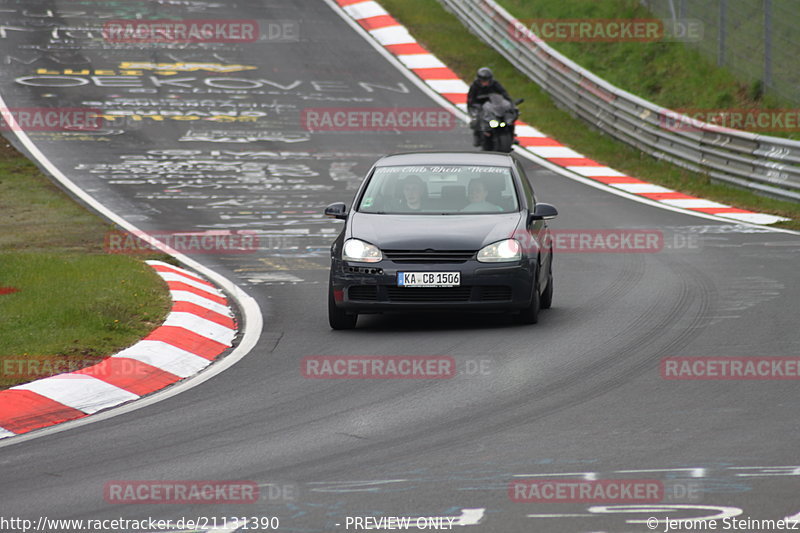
(428, 279)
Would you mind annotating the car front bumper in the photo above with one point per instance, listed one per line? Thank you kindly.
(372, 288)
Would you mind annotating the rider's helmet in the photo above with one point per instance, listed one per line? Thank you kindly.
(485, 74)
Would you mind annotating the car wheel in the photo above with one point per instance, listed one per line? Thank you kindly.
(338, 318)
(547, 295)
(530, 315)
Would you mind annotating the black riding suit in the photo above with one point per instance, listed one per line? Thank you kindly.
(477, 95)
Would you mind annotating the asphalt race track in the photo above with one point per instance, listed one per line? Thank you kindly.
(580, 393)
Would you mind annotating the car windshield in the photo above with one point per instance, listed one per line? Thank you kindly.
(445, 190)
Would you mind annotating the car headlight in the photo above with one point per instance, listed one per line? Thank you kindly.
(364, 252)
(493, 123)
(500, 252)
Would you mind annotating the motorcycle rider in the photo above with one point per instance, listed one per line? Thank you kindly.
(479, 92)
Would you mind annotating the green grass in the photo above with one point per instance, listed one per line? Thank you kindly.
(74, 304)
(443, 34)
(36, 216)
(670, 74)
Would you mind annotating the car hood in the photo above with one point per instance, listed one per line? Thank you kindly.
(436, 232)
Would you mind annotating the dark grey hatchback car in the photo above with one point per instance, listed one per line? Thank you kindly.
(441, 231)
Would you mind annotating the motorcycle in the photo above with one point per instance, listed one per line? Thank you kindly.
(495, 121)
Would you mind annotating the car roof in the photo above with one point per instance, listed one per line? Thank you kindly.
(447, 158)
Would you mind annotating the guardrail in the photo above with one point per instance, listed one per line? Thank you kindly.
(764, 164)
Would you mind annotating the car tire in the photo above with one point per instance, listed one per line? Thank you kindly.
(338, 318)
(547, 296)
(530, 315)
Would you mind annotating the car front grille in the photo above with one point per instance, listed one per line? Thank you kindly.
(429, 256)
(429, 294)
(497, 293)
(363, 292)
(372, 293)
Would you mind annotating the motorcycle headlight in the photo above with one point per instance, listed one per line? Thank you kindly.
(502, 124)
(501, 252)
(358, 250)
(493, 123)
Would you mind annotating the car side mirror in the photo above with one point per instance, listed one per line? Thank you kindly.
(543, 212)
(336, 210)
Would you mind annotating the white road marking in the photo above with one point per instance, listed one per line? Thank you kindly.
(769, 470)
(588, 476)
(470, 517)
(186, 296)
(165, 356)
(364, 10)
(753, 218)
(693, 472)
(640, 188)
(448, 86)
(79, 391)
(272, 277)
(595, 171)
(552, 151)
(179, 269)
(201, 326)
(526, 130)
(392, 35)
(693, 203)
(651, 509)
(421, 61)
(353, 486)
(174, 276)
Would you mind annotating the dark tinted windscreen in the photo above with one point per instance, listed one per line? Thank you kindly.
(450, 189)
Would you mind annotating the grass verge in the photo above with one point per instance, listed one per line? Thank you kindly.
(443, 35)
(671, 74)
(64, 303)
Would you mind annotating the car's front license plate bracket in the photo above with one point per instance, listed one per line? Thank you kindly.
(429, 279)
